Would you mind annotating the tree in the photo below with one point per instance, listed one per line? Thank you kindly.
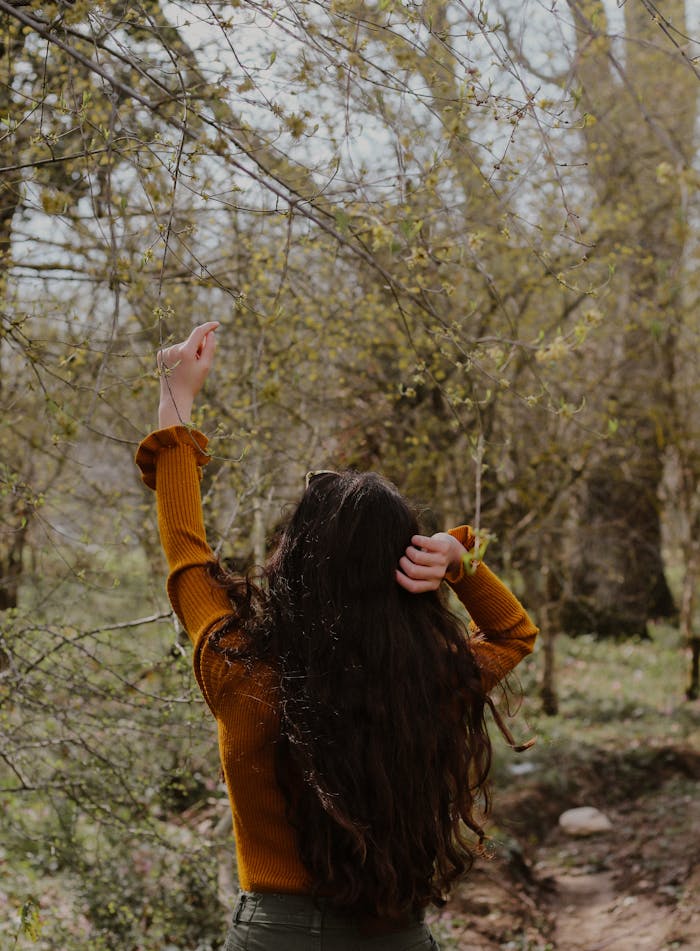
(639, 150)
(382, 203)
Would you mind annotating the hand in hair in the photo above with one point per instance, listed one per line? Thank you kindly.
(183, 369)
(423, 566)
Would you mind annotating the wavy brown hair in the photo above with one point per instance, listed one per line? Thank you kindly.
(383, 754)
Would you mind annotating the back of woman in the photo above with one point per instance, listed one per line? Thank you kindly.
(349, 699)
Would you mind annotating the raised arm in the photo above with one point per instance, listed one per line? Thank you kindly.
(502, 632)
(171, 460)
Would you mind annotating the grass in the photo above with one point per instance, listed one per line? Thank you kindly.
(612, 695)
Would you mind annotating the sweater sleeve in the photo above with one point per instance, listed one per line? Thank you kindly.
(170, 461)
(502, 632)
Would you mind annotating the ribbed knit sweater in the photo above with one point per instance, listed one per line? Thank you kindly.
(243, 700)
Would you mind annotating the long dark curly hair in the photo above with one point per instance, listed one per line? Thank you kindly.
(383, 754)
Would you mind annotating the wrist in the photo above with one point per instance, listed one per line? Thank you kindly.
(172, 414)
(456, 566)
(457, 553)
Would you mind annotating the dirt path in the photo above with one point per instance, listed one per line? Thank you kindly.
(605, 909)
(612, 892)
(591, 915)
(634, 888)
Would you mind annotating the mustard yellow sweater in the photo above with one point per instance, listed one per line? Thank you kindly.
(242, 701)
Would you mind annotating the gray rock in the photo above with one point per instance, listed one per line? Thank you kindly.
(584, 821)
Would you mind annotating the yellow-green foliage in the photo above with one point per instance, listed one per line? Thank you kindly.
(455, 242)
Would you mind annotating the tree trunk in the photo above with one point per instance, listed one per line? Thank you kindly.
(693, 691)
(548, 690)
(638, 141)
(687, 612)
(11, 563)
(14, 510)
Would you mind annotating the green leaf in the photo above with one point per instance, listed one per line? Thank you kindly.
(30, 923)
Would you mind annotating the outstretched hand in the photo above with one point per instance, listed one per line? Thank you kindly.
(183, 369)
(427, 558)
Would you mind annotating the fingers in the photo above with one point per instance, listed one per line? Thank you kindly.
(207, 348)
(416, 586)
(197, 340)
(440, 542)
(423, 565)
(200, 344)
(434, 550)
(417, 565)
(419, 556)
(422, 572)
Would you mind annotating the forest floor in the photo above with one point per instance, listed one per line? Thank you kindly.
(627, 742)
(633, 888)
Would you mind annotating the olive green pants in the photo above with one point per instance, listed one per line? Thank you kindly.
(272, 922)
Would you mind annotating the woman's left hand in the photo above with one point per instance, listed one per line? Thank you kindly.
(427, 558)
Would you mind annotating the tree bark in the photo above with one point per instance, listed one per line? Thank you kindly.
(14, 510)
(638, 141)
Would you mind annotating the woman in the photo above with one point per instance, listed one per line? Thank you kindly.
(349, 699)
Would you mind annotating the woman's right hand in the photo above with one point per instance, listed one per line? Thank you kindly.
(427, 558)
(183, 369)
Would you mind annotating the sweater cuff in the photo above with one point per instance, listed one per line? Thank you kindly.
(175, 436)
(465, 536)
